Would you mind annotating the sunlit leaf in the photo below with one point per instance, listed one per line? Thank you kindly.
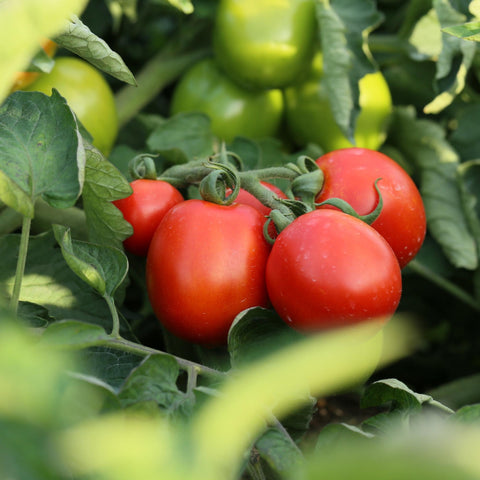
(42, 151)
(79, 39)
(103, 268)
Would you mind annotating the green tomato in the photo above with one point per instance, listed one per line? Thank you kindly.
(309, 117)
(89, 96)
(233, 110)
(265, 44)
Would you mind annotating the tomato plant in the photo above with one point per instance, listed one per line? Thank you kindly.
(77, 314)
(309, 116)
(329, 269)
(144, 209)
(87, 93)
(233, 110)
(264, 44)
(351, 173)
(206, 263)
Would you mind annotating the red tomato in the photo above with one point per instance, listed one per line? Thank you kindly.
(144, 209)
(247, 198)
(350, 174)
(206, 264)
(329, 269)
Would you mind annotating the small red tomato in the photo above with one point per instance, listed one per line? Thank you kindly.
(206, 264)
(247, 198)
(351, 173)
(329, 269)
(144, 209)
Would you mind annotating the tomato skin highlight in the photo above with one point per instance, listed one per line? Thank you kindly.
(89, 96)
(264, 44)
(144, 209)
(350, 174)
(328, 269)
(206, 264)
(233, 111)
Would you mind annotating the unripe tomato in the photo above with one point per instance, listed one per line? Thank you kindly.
(89, 96)
(328, 269)
(350, 174)
(144, 209)
(309, 117)
(265, 44)
(233, 110)
(24, 79)
(206, 263)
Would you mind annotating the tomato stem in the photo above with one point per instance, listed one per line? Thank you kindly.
(22, 259)
(142, 350)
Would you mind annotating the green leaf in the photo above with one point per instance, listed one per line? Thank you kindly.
(423, 143)
(47, 281)
(104, 183)
(108, 365)
(459, 392)
(42, 151)
(36, 21)
(73, 335)
(13, 196)
(41, 62)
(155, 380)
(451, 72)
(469, 185)
(185, 6)
(183, 137)
(396, 394)
(344, 27)
(467, 31)
(79, 39)
(279, 452)
(334, 435)
(468, 414)
(464, 137)
(103, 268)
(426, 37)
(33, 315)
(256, 332)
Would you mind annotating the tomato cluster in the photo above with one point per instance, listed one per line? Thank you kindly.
(265, 78)
(207, 262)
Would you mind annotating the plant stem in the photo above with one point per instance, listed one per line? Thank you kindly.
(445, 284)
(115, 320)
(142, 350)
(22, 259)
(160, 71)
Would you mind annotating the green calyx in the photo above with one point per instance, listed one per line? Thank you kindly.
(348, 209)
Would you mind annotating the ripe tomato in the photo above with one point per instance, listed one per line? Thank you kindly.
(350, 174)
(89, 96)
(329, 269)
(247, 198)
(309, 117)
(144, 208)
(233, 110)
(206, 263)
(264, 44)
